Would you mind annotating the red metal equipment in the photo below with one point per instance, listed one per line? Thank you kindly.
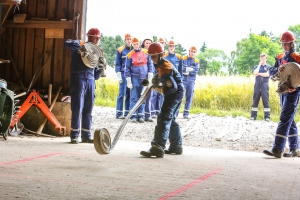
(35, 99)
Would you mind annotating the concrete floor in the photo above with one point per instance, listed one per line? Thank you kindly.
(52, 168)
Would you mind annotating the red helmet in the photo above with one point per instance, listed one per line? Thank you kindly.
(287, 37)
(94, 32)
(155, 48)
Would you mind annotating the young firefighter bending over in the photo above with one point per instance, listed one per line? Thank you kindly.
(168, 82)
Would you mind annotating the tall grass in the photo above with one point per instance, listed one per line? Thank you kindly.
(216, 96)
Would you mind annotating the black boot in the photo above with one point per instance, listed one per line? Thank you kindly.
(273, 152)
(176, 149)
(292, 153)
(153, 151)
(87, 140)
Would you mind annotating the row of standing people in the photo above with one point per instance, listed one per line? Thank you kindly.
(133, 64)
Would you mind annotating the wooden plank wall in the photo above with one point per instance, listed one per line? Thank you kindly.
(30, 49)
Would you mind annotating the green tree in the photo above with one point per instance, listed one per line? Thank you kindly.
(269, 35)
(231, 67)
(249, 50)
(296, 30)
(179, 49)
(203, 48)
(109, 46)
(213, 62)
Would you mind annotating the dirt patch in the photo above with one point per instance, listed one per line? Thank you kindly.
(198, 131)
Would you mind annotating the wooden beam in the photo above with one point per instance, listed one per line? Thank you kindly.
(40, 24)
(7, 2)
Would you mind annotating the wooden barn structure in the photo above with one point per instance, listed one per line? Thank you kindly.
(33, 35)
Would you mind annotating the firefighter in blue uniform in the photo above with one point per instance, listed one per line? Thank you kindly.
(138, 67)
(148, 106)
(261, 88)
(82, 88)
(124, 91)
(168, 82)
(189, 70)
(286, 129)
(173, 57)
(157, 98)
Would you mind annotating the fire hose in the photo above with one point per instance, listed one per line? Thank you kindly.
(102, 140)
(289, 77)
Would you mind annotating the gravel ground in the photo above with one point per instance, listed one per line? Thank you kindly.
(198, 131)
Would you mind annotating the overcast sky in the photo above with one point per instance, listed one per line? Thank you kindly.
(218, 23)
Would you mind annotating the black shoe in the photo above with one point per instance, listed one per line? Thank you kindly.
(273, 152)
(149, 120)
(120, 117)
(174, 150)
(292, 153)
(74, 141)
(87, 140)
(154, 151)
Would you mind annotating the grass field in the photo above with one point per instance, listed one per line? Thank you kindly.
(215, 96)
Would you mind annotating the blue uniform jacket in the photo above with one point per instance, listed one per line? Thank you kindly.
(282, 58)
(121, 58)
(175, 59)
(190, 62)
(262, 69)
(77, 66)
(138, 64)
(170, 79)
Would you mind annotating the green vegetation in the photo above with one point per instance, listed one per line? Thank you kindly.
(230, 90)
(214, 95)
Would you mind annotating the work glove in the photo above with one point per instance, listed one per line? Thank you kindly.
(158, 89)
(119, 77)
(157, 85)
(150, 76)
(189, 69)
(129, 84)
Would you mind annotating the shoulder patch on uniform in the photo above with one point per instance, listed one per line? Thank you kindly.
(145, 51)
(178, 56)
(279, 56)
(184, 57)
(166, 54)
(130, 53)
(196, 60)
(121, 48)
(296, 56)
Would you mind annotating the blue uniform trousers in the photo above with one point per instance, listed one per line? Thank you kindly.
(135, 94)
(124, 91)
(287, 128)
(166, 126)
(261, 89)
(189, 95)
(157, 100)
(82, 101)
